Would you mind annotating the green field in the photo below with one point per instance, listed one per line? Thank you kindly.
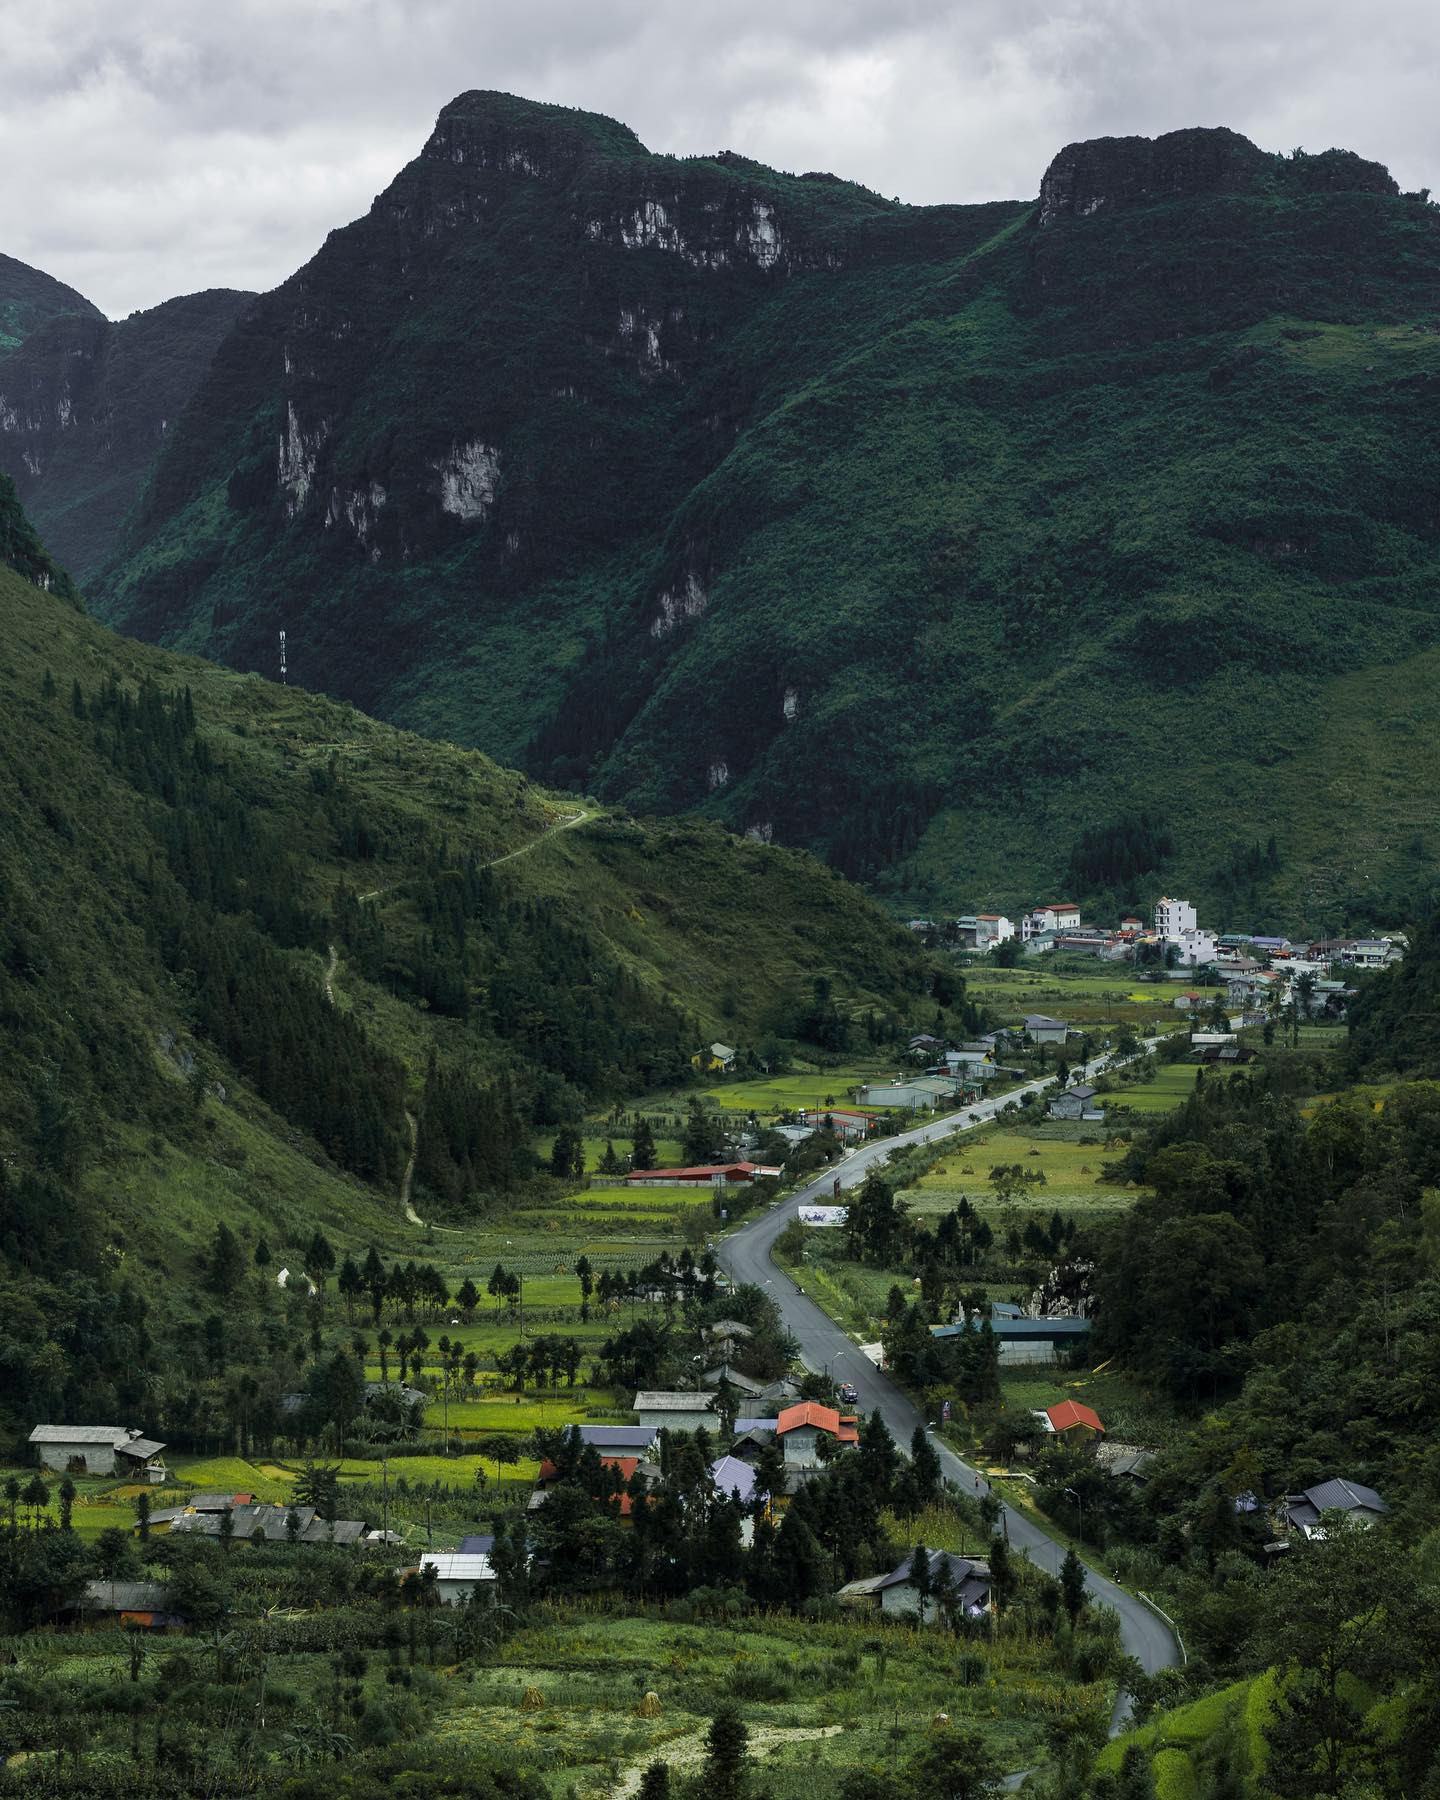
(1097, 1003)
(1073, 1169)
(1171, 1083)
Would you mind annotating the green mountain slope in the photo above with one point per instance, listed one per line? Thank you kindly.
(85, 405)
(29, 298)
(923, 536)
(244, 931)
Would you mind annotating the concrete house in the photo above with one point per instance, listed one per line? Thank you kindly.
(1041, 1029)
(801, 1427)
(1173, 918)
(1359, 1504)
(719, 1059)
(1049, 920)
(660, 1411)
(897, 1594)
(1078, 1102)
(99, 1450)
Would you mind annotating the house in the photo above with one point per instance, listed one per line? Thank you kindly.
(735, 1378)
(717, 1175)
(617, 1440)
(1023, 1340)
(897, 1594)
(846, 1122)
(992, 928)
(1173, 918)
(272, 1524)
(923, 1093)
(140, 1605)
(676, 1412)
(1050, 920)
(733, 1477)
(751, 1436)
(460, 1575)
(719, 1059)
(1074, 1421)
(925, 1042)
(1078, 1102)
(1126, 1462)
(726, 1329)
(801, 1427)
(1130, 924)
(1361, 1506)
(1041, 1029)
(99, 1450)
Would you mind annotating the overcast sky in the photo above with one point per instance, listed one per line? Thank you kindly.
(153, 147)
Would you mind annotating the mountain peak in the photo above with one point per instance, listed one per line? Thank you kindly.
(1100, 174)
(528, 136)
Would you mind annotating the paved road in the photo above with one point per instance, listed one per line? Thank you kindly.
(745, 1256)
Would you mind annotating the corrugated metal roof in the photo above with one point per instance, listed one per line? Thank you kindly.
(665, 1402)
(114, 1435)
(457, 1565)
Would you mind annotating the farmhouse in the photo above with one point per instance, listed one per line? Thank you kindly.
(99, 1450)
(718, 1059)
(1057, 916)
(1078, 1102)
(801, 1427)
(1360, 1505)
(676, 1412)
(272, 1525)
(896, 1593)
(459, 1575)
(1073, 1421)
(703, 1175)
(1040, 1029)
(140, 1605)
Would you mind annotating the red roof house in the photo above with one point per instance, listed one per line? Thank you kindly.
(1074, 1415)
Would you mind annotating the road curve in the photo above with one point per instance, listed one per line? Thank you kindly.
(745, 1256)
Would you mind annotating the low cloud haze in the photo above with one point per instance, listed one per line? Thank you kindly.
(164, 147)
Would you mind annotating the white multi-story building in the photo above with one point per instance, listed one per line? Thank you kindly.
(1174, 919)
(1196, 947)
(1059, 915)
(992, 928)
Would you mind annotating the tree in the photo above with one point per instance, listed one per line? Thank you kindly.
(954, 1765)
(67, 1502)
(225, 1263)
(1072, 1586)
(702, 1135)
(319, 1260)
(920, 1579)
(655, 1782)
(36, 1497)
(142, 1515)
(727, 1757)
(642, 1144)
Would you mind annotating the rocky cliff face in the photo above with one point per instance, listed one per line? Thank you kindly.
(707, 486)
(85, 406)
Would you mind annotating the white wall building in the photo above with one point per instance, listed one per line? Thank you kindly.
(1173, 918)
(459, 1576)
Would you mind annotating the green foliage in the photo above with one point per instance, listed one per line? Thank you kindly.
(1033, 467)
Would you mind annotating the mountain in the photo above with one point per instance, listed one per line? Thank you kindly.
(245, 931)
(84, 408)
(934, 538)
(29, 298)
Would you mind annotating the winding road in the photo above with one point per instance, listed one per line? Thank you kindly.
(745, 1256)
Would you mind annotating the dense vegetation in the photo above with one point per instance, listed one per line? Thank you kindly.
(86, 404)
(255, 950)
(923, 536)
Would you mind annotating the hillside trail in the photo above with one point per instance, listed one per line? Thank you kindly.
(330, 969)
(414, 1130)
(567, 824)
(685, 1754)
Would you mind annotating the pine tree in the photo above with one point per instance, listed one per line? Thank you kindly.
(1072, 1586)
(642, 1144)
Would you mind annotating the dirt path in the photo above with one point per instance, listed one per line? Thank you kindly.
(685, 1754)
(409, 1175)
(550, 831)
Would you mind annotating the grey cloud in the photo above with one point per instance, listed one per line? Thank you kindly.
(175, 146)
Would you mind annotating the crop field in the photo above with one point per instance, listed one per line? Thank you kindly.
(1092, 1002)
(1171, 1083)
(1073, 1171)
(820, 1698)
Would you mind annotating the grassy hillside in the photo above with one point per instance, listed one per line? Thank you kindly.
(923, 536)
(254, 947)
(86, 404)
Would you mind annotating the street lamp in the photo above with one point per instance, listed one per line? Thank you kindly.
(1080, 1508)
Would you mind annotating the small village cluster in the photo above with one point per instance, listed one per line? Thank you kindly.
(1173, 936)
